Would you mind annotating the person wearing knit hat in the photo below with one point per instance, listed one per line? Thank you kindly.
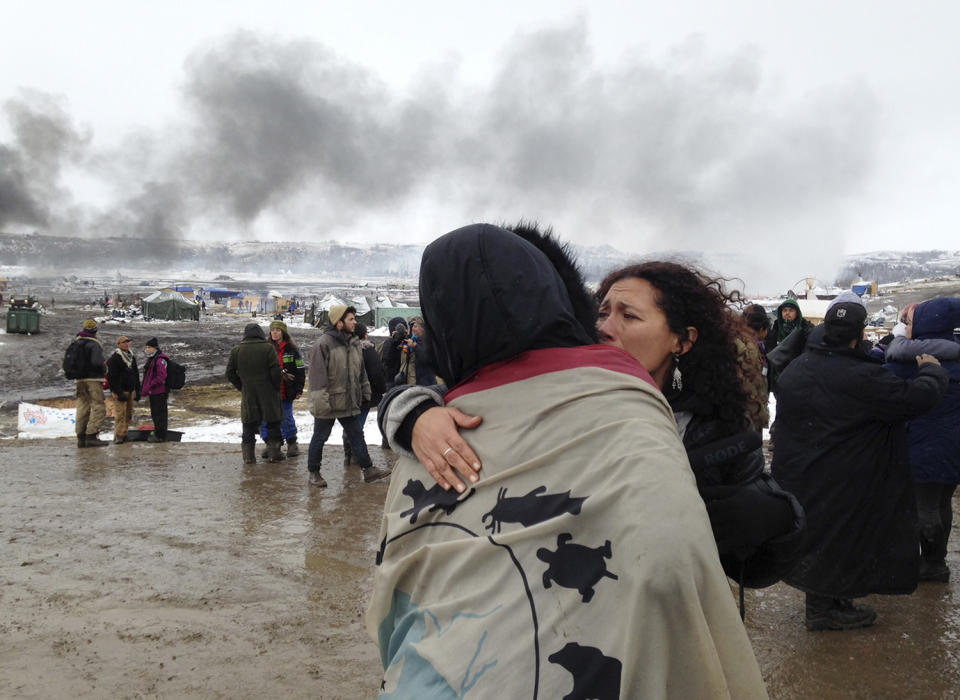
(336, 313)
(338, 387)
(124, 380)
(840, 446)
(254, 369)
(83, 361)
(933, 438)
(154, 386)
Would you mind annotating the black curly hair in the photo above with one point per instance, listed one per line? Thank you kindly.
(689, 297)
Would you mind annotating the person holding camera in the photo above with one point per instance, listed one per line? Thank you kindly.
(391, 352)
(415, 364)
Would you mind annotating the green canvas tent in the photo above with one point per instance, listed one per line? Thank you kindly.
(170, 306)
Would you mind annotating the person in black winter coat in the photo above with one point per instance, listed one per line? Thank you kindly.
(378, 385)
(392, 350)
(841, 448)
(124, 380)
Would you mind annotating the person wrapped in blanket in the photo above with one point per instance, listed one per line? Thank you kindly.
(580, 561)
(675, 321)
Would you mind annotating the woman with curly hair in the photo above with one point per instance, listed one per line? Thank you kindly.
(677, 323)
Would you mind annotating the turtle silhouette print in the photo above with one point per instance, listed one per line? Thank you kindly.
(575, 566)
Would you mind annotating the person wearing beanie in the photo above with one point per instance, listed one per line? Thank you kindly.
(254, 369)
(124, 380)
(154, 386)
(293, 378)
(83, 361)
(338, 387)
(840, 447)
(933, 438)
(789, 319)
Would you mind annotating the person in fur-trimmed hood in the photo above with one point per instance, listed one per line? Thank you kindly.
(586, 517)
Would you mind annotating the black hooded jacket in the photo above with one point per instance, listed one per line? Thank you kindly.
(488, 295)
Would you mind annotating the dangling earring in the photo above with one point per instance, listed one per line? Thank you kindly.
(677, 377)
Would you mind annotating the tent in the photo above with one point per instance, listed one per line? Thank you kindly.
(170, 306)
(365, 314)
(384, 314)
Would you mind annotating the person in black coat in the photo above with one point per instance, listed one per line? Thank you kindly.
(841, 448)
(124, 380)
(392, 349)
(378, 385)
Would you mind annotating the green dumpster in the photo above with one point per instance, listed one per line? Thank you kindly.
(23, 320)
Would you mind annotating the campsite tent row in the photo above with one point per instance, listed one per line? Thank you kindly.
(372, 312)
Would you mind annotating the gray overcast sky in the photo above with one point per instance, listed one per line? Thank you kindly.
(649, 126)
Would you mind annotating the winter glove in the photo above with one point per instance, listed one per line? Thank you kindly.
(120, 396)
(743, 518)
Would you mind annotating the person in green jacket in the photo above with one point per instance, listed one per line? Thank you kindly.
(253, 368)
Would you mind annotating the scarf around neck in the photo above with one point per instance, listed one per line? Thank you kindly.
(126, 356)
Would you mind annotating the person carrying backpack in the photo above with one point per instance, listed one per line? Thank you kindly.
(155, 387)
(83, 361)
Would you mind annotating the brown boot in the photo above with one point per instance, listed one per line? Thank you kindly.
(292, 448)
(249, 452)
(95, 441)
(273, 450)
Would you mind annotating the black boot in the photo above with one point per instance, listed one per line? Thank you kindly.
(825, 613)
(292, 448)
(347, 453)
(249, 450)
(273, 451)
(81, 440)
(317, 480)
(95, 441)
(935, 570)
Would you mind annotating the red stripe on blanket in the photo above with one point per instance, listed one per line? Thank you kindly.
(533, 363)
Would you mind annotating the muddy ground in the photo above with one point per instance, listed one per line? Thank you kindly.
(172, 570)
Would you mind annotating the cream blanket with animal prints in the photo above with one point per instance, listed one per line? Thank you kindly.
(582, 565)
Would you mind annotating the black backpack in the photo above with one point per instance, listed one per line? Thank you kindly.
(75, 360)
(176, 375)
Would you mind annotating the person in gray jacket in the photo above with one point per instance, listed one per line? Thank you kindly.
(337, 388)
